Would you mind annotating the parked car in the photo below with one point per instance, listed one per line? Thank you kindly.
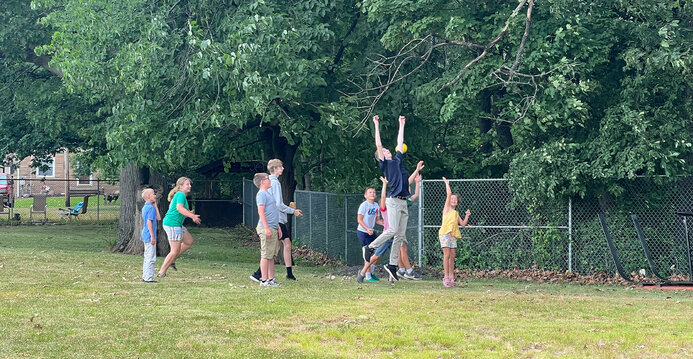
(6, 183)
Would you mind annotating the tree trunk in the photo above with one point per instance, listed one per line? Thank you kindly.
(130, 178)
(135, 245)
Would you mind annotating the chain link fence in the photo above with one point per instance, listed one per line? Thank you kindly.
(500, 233)
(505, 234)
(54, 200)
(655, 203)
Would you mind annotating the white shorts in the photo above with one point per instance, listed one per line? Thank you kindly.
(175, 233)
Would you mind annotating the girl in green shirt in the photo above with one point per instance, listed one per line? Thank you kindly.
(179, 238)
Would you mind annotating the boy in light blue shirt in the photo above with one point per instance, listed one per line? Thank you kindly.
(150, 214)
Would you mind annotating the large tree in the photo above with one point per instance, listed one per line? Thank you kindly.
(565, 97)
(183, 84)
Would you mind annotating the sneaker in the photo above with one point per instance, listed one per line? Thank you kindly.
(273, 282)
(367, 253)
(265, 283)
(161, 275)
(391, 282)
(149, 281)
(412, 276)
(391, 270)
(359, 277)
(401, 271)
(173, 266)
(446, 282)
(375, 279)
(290, 277)
(372, 280)
(255, 279)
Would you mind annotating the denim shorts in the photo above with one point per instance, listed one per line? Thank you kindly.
(383, 248)
(175, 233)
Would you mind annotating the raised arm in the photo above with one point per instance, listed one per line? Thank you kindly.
(383, 192)
(417, 188)
(156, 207)
(463, 222)
(378, 143)
(448, 194)
(400, 133)
(419, 167)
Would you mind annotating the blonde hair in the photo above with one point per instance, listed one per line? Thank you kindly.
(274, 163)
(377, 154)
(175, 189)
(257, 179)
(145, 193)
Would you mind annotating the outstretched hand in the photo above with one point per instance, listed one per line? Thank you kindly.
(376, 119)
(419, 166)
(383, 180)
(445, 180)
(402, 120)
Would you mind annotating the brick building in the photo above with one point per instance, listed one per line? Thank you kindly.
(56, 179)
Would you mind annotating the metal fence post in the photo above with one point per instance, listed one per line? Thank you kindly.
(346, 236)
(98, 200)
(570, 235)
(421, 228)
(327, 223)
(310, 220)
(244, 203)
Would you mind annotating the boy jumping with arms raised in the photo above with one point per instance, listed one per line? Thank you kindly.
(398, 213)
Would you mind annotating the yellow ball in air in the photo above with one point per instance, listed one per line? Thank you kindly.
(403, 149)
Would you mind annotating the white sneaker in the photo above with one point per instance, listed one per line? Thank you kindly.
(412, 276)
(273, 282)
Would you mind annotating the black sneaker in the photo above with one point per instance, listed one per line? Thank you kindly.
(367, 253)
(391, 270)
(291, 277)
(173, 266)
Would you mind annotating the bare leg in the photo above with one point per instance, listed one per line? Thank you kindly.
(367, 265)
(404, 257)
(171, 257)
(287, 252)
(186, 242)
(451, 264)
(264, 268)
(446, 261)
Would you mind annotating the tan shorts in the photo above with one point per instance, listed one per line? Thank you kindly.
(269, 247)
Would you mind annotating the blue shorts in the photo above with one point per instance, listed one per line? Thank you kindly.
(384, 247)
(366, 238)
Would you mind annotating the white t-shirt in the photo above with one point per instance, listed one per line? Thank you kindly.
(370, 212)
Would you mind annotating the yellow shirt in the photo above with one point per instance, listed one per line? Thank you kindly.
(450, 224)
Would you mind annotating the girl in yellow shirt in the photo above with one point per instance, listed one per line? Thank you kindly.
(449, 233)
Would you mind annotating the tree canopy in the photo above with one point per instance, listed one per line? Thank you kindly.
(565, 98)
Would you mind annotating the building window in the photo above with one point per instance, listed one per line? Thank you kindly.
(84, 181)
(49, 171)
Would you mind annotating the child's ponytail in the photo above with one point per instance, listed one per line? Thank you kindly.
(175, 189)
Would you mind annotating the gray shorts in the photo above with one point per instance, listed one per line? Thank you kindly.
(175, 233)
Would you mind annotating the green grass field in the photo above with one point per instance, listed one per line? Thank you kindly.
(64, 295)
